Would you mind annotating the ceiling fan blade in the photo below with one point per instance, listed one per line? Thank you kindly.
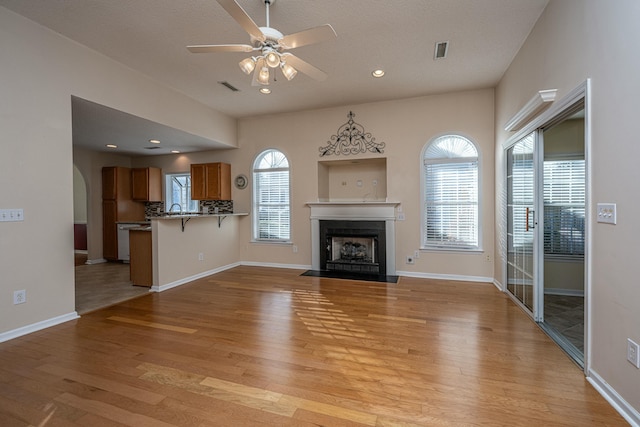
(237, 12)
(310, 36)
(213, 48)
(304, 67)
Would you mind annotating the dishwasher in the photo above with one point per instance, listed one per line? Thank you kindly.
(123, 240)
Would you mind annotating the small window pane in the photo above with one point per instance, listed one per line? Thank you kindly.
(179, 193)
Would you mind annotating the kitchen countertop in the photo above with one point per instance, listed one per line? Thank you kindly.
(198, 215)
(133, 222)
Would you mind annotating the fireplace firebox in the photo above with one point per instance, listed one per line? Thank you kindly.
(355, 247)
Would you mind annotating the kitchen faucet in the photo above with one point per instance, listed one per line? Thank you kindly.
(176, 204)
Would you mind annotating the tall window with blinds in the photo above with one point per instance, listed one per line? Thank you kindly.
(272, 212)
(450, 205)
(564, 207)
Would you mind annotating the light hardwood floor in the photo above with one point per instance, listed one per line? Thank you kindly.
(266, 347)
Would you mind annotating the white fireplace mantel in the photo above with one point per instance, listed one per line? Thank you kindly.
(354, 211)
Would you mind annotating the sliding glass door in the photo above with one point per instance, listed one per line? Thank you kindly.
(522, 221)
(547, 183)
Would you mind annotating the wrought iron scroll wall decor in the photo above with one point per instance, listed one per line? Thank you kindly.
(351, 139)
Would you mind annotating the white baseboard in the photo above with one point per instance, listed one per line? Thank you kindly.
(276, 265)
(445, 277)
(192, 278)
(95, 261)
(80, 251)
(619, 404)
(498, 285)
(34, 327)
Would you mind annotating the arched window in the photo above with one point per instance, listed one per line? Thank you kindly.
(450, 192)
(271, 203)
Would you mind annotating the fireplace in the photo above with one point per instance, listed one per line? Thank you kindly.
(362, 232)
(353, 246)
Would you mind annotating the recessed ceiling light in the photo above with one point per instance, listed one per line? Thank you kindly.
(377, 73)
(111, 146)
(265, 90)
(154, 141)
(175, 151)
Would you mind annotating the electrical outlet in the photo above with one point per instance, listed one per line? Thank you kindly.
(200, 256)
(295, 249)
(416, 254)
(633, 353)
(19, 297)
(487, 257)
(410, 260)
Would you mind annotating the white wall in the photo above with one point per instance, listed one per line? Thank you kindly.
(572, 41)
(40, 72)
(405, 126)
(177, 251)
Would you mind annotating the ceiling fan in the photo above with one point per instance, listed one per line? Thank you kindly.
(270, 46)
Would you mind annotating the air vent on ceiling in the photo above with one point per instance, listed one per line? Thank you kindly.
(152, 148)
(229, 86)
(441, 50)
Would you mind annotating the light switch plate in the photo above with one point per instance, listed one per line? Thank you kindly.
(11, 215)
(606, 213)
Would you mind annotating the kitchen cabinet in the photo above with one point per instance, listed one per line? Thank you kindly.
(109, 230)
(141, 262)
(117, 206)
(211, 181)
(146, 184)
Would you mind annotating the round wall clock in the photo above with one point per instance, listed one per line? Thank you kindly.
(241, 181)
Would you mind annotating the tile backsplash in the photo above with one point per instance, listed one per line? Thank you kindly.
(224, 206)
(152, 209)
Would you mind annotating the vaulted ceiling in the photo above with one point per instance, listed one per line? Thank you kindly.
(398, 36)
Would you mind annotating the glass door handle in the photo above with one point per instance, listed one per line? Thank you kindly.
(532, 213)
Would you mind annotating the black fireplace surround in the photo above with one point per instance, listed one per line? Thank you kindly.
(376, 264)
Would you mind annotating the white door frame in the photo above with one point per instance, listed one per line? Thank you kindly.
(555, 112)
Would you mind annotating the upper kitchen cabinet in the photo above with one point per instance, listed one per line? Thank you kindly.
(116, 183)
(146, 184)
(211, 181)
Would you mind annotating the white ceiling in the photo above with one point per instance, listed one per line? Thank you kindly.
(396, 35)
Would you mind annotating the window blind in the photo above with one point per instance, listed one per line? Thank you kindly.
(451, 203)
(564, 207)
(521, 182)
(272, 207)
(272, 189)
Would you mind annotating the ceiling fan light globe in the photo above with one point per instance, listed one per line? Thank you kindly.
(263, 76)
(288, 71)
(247, 65)
(272, 59)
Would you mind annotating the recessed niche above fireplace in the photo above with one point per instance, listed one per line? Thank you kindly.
(352, 180)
